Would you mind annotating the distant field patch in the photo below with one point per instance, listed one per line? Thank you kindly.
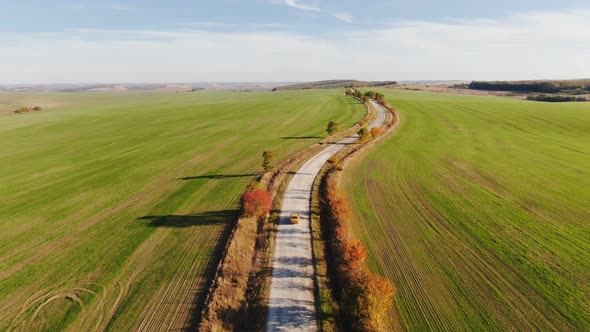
(478, 210)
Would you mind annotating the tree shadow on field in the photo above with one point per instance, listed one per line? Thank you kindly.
(340, 143)
(301, 137)
(352, 102)
(219, 176)
(225, 218)
(191, 220)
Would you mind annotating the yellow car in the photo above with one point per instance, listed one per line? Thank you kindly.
(294, 218)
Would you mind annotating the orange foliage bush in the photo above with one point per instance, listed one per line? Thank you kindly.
(256, 203)
(380, 299)
(376, 296)
(376, 132)
(355, 254)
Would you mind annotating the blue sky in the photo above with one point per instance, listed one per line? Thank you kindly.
(291, 40)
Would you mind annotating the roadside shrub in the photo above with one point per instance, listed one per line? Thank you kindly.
(332, 128)
(341, 212)
(26, 109)
(380, 98)
(381, 297)
(355, 254)
(23, 110)
(335, 164)
(376, 132)
(364, 135)
(268, 158)
(256, 203)
(374, 296)
(370, 94)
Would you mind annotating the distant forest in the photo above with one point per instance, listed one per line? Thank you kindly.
(331, 84)
(573, 87)
(555, 98)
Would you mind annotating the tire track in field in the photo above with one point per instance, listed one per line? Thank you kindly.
(118, 289)
(34, 305)
(411, 274)
(169, 308)
(172, 306)
(164, 184)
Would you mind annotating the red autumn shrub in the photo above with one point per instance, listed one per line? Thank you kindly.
(340, 209)
(257, 203)
(355, 254)
(376, 132)
(340, 234)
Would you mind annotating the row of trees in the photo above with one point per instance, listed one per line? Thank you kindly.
(356, 93)
(268, 158)
(28, 109)
(555, 98)
(257, 202)
(379, 97)
(533, 86)
(364, 97)
(332, 128)
(365, 134)
(366, 297)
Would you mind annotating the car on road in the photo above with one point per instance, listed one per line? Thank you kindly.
(294, 218)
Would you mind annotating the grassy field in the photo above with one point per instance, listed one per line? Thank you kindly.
(478, 209)
(115, 206)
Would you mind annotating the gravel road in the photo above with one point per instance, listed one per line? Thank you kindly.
(292, 301)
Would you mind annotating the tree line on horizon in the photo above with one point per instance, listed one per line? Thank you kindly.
(364, 97)
(574, 87)
(555, 98)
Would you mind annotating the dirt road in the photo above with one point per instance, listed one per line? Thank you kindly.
(292, 302)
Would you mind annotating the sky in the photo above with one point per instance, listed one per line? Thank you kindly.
(176, 41)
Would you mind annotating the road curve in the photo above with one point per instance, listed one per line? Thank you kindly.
(292, 302)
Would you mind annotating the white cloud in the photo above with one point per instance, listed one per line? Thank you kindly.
(211, 24)
(158, 56)
(96, 5)
(526, 45)
(521, 46)
(344, 17)
(301, 6)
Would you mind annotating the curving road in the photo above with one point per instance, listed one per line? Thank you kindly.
(292, 302)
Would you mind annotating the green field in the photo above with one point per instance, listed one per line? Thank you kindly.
(478, 210)
(115, 207)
